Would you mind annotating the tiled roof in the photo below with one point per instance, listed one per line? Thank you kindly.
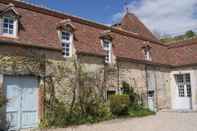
(131, 23)
(38, 27)
(183, 52)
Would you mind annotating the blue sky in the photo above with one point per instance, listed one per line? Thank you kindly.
(160, 16)
(97, 10)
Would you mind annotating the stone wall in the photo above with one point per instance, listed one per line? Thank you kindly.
(163, 89)
(62, 71)
(135, 75)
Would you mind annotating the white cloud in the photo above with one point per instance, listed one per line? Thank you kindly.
(165, 16)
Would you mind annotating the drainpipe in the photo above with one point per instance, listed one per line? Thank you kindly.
(118, 76)
(146, 79)
(156, 95)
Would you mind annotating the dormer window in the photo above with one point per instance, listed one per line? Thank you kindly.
(107, 46)
(147, 53)
(66, 32)
(9, 21)
(67, 42)
(8, 25)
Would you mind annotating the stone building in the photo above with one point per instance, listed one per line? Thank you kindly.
(164, 75)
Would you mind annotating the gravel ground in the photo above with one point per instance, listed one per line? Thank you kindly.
(163, 121)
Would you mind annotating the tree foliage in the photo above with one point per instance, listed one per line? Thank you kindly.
(169, 39)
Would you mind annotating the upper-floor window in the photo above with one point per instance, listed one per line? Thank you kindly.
(67, 42)
(147, 52)
(147, 55)
(107, 46)
(9, 26)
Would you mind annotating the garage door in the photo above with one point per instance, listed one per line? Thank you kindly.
(21, 93)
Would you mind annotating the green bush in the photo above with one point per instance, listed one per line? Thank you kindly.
(54, 117)
(2, 101)
(134, 98)
(139, 111)
(60, 116)
(100, 113)
(119, 105)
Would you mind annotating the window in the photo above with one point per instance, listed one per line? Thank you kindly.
(9, 26)
(188, 84)
(67, 41)
(151, 94)
(184, 85)
(147, 55)
(107, 46)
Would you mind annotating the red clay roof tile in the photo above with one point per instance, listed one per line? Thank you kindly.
(38, 27)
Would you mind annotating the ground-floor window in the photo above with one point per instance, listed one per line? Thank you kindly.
(183, 82)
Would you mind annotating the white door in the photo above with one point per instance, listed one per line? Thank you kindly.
(21, 109)
(151, 104)
(183, 92)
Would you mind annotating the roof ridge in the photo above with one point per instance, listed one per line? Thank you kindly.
(58, 11)
(77, 18)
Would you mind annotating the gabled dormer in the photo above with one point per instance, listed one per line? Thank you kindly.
(66, 34)
(147, 52)
(9, 19)
(106, 43)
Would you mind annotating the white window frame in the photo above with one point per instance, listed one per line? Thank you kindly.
(147, 55)
(64, 41)
(108, 57)
(15, 27)
(184, 87)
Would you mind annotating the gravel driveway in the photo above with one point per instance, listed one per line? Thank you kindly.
(163, 121)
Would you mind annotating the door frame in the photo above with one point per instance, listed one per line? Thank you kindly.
(37, 94)
(174, 87)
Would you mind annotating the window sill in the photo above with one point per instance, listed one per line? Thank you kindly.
(9, 36)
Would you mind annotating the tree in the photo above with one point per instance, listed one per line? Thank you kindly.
(190, 34)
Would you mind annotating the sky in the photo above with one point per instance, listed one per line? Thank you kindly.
(164, 17)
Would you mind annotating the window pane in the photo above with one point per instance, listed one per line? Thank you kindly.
(5, 30)
(187, 77)
(181, 91)
(189, 90)
(67, 54)
(11, 26)
(11, 21)
(179, 78)
(5, 25)
(180, 84)
(66, 47)
(6, 20)
(11, 31)
(8, 26)
(66, 36)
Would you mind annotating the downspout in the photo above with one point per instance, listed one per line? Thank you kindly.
(146, 79)
(118, 76)
(156, 95)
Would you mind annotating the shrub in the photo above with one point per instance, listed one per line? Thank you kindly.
(55, 115)
(60, 116)
(2, 101)
(139, 111)
(133, 97)
(119, 104)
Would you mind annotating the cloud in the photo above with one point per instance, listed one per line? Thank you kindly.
(165, 16)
